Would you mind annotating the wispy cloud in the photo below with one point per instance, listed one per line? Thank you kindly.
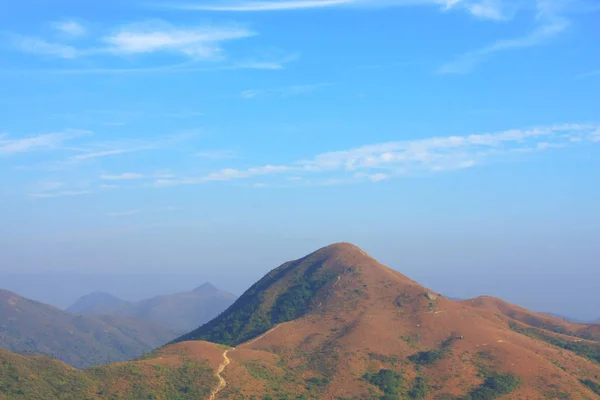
(250, 6)
(157, 36)
(97, 150)
(283, 92)
(193, 66)
(217, 154)
(489, 9)
(383, 161)
(33, 45)
(122, 177)
(60, 194)
(589, 74)
(467, 62)
(550, 23)
(105, 153)
(70, 28)
(45, 141)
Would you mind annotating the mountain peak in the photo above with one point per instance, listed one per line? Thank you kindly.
(95, 303)
(342, 248)
(206, 287)
(338, 278)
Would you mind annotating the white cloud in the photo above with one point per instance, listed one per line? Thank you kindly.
(266, 63)
(217, 154)
(38, 46)
(382, 161)
(378, 177)
(122, 177)
(196, 42)
(249, 6)
(487, 9)
(282, 92)
(467, 62)
(70, 28)
(151, 37)
(39, 142)
(105, 153)
(492, 9)
(60, 194)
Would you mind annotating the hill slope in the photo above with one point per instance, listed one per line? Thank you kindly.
(338, 325)
(170, 375)
(28, 326)
(97, 303)
(180, 312)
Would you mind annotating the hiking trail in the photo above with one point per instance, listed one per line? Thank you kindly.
(222, 382)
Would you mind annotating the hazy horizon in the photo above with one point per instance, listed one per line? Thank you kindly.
(457, 142)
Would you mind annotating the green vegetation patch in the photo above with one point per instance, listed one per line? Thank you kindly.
(294, 302)
(584, 349)
(43, 378)
(428, 357)
(418, 389)
(247, 318)
(593, 386)
(387, 381)
(495, 386)
(192, 380)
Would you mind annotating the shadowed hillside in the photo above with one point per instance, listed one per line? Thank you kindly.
(180, 312)
(28, 326)
(336, 324)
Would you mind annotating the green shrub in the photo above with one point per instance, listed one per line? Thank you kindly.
(418, 389)
(593, 386)
(584, 349)
(494, 386)
(387, 381)
(427, 357)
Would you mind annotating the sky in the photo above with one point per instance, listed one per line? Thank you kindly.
(165, 144)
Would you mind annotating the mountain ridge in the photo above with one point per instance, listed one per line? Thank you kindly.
(180, 312)
(30, 326)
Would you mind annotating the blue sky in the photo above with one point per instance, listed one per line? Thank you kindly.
(456, 140)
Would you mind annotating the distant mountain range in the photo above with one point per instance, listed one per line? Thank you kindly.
(336, 324)
(180, 312)
(28, 326)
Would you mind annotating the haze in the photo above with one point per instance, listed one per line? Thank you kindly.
(149, 148)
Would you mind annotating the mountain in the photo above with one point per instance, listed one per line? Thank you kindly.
(336, 324)
(97, 303)
(353, 327)
(28, 326)
(180, 312)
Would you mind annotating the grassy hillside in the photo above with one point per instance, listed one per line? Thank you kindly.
(180, 378)
(31, 327)
(284, 294)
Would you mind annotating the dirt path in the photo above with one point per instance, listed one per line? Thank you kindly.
(226, 362)
(262, 336)
(222, 382)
